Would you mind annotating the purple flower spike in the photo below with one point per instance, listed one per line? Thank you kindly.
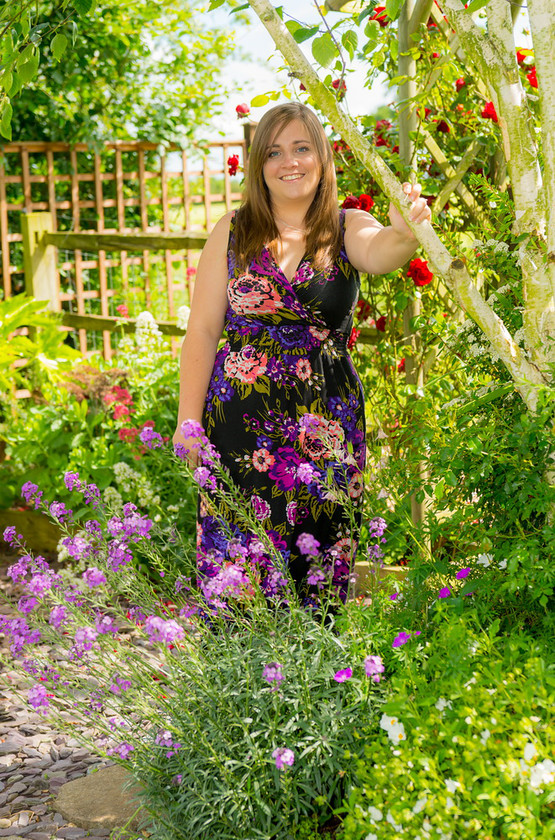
(150, 438)
(344, 675)
(59, 511)
(9, 534)
(94, 577)
(374, 667)
(308, 545)
(72, 481)
(31, 493)
(272, 673)
(444, 593)
(462, 573)
(38, 698)
(283, 757)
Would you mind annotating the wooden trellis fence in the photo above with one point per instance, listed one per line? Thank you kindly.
(124, 188)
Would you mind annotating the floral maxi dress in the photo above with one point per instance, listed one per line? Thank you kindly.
(285, 410)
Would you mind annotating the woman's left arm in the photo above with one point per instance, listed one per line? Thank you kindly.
(376, 249)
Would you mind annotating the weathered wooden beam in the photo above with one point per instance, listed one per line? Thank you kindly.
(39, 258)
(194, 240)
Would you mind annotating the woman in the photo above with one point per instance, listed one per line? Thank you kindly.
(281, 401)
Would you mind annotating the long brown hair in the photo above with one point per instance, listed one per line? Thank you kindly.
(254, 222)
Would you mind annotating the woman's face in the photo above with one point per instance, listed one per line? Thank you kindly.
(292, 169)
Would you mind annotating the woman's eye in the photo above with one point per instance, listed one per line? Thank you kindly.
(303, 149)
(273, 154)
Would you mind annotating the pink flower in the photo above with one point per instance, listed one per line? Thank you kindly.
(462, 573)
(303, 369)
(283, 757)
(403, 638)
(374, 667)
(344, 675)
(242, 110)
(122, 310)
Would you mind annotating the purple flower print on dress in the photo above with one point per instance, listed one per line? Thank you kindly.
(374, 668)
(38, 698)
(291, 512)
(343, 675)
(310, 423)
(283, 757)
(308, 545)
(261, 508)
(284, 469)
(272, 673)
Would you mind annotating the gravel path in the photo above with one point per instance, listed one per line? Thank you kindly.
(34, 761)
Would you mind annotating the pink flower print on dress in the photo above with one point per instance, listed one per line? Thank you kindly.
(320, 335)
(250, 295)
(356, 486)
(261, 507)
(246, 365)
(303, 369)
(262, 460)
(324, 440)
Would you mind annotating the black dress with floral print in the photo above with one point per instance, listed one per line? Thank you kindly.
(285, 410)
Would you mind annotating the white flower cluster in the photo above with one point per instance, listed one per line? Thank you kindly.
(132, 482)
(183, 317)
(147, 332)
(394, 728)
(112, 498)
(540, 774)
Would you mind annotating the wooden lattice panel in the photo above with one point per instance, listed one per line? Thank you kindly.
(125, 187)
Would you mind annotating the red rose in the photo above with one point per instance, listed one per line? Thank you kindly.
(427, 112)
(380, 323)
(435, 55)
(489, 112)
(233, 164)
(395, 150)
(460, 83)
(531, 76)
(520, 56)
(353, 338)
(363, 310)
(381, 127)
(401, 365)
(380, 15)
(340, 86)
(419, 272)
(351, 202)
(243, 110)
(302, 87)
(443, 126)
(366, 202)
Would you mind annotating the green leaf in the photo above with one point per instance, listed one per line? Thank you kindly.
(475, 5)
(349, 40)
(7, 81)
(303, 33)
(260, 100)
(6, 120)
(215, 4)
(439, 489)
(240, 8)
(58, 45)
(323, 50)
(28, 70)
(392, 8)
(82, 7)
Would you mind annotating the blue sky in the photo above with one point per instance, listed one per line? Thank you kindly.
(262, 74)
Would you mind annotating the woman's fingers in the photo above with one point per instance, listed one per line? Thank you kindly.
(419, 210)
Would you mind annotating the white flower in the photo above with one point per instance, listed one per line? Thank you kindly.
(393, 727)
(449, 804)
(183, 317)
(530, 752)
(392, 822)
(484, 735)
(442, 704)
(502, 564)
(484, 560)
(112, 498)
(371, 836)
(452, 785)
(542, 773)
(147, 332)
(375, 814)
(420, 805)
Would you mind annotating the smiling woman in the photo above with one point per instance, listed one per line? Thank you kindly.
(281, 400)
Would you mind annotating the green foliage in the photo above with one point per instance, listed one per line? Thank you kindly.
(110, 78)
(476, 759)
(26, 359)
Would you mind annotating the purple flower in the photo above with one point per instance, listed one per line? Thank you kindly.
(19, 633)
(394, 596)
(58, 616)
(308, 545)
(374, 667)
(344, 675)
(123, 750)
(59, 511)
(284, 758)
(261, 507)
(72, 481)
(403, 638)
(9, 534)
(444, 593)
(31, 492)
(163, 631)
(316, 577)
(27, 605)
(77, 547)
(105, 624)
(462, 573)
(204, 478)
(150, 438)
(19, 570)
(306, 473)
(91, 493)
(309, 422)
(119, 685)
(273, 673)
(40, 584)
(84, 640)
(38, 698)
(118, 555)
(93, 528)
(377, 526)
(284, 469)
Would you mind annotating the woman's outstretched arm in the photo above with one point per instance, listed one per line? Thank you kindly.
(376, 249)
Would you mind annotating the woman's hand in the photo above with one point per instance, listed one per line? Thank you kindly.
(419, 211)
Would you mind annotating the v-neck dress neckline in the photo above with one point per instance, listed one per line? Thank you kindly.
(291, 281)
